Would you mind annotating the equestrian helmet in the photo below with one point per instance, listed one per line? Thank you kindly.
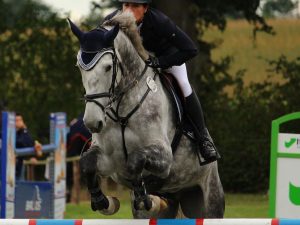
(137, 1)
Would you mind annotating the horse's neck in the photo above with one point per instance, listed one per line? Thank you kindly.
(133, 67)
(136, 93)
(132, 63)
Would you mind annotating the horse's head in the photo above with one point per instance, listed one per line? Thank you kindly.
(97, 62)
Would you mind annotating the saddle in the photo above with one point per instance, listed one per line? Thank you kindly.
(184, 124)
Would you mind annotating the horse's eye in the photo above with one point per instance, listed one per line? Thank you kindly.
(107, 68)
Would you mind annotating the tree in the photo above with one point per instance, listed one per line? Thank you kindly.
(98, 12)
(273, 7)
(19, 14)
(36, 53)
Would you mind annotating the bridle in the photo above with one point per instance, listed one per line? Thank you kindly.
(111, 94)
(116, 94)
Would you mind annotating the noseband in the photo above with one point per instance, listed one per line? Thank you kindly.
(111, 92)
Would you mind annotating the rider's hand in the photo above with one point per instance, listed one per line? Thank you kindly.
(153, 62)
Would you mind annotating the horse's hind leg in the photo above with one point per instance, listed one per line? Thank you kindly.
(213, 194)
(169, 212)
(191, 203)
(205, 200)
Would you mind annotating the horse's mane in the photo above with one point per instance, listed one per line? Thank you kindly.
(127, 24)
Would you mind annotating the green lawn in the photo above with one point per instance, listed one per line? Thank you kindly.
(237, 206)
(83, 211)
(246, 206)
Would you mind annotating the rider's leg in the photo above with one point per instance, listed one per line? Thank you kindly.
(180, 74)
(194, 111)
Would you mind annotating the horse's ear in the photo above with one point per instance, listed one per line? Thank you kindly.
(112, 34)
(75, 30)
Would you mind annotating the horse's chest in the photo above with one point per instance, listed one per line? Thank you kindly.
(116, 143)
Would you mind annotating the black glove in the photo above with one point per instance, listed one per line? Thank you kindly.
(153, 62)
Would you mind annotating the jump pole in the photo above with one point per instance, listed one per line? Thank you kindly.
(154, 222)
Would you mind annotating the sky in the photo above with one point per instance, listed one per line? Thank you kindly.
(78, 8)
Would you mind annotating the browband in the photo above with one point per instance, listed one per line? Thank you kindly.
(96, 58)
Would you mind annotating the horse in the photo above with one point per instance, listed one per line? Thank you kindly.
(133, 122)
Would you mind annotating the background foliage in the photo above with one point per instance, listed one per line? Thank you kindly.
(273, 7)
(37, 58)
(37, 64)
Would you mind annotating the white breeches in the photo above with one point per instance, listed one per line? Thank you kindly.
(180, 74)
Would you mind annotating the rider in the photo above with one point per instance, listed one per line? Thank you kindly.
(172, 48)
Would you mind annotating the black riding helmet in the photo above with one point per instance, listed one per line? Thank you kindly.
(137, 1)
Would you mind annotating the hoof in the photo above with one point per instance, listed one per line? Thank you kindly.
(153, 204)
(143, 205)
(114, 206)
(158, 204)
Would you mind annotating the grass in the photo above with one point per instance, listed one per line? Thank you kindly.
(83, 210)
(246, 206)
(237, 206)
(237, 41)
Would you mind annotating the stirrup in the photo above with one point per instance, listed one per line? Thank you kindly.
(204, 144)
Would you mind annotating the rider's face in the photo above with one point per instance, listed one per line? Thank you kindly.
(137, 9)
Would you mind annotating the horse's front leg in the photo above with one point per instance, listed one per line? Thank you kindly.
(157, 160)
(105, 204)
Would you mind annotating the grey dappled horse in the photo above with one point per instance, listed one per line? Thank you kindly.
(133, 123)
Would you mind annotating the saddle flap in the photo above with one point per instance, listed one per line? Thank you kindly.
(175, 94)
(184, 126)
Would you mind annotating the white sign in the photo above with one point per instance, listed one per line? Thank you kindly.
(288, 188)
(289, 143)
(285, 170)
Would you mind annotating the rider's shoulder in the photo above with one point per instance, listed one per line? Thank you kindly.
(157, 17)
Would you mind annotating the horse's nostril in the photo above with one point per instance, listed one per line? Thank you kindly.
(95, 127)
(100, 126)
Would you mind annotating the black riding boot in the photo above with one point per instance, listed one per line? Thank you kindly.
(194, 111)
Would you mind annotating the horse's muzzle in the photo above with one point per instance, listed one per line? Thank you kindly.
(94, 127)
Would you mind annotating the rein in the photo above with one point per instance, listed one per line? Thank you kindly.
(117, 97)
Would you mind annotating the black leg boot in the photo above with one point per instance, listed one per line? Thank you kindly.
(194, 111)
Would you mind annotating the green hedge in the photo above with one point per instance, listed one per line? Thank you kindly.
(241, 123)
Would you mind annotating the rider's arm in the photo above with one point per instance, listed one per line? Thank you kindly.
(186, 48)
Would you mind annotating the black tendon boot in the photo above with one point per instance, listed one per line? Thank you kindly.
(194, 111)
